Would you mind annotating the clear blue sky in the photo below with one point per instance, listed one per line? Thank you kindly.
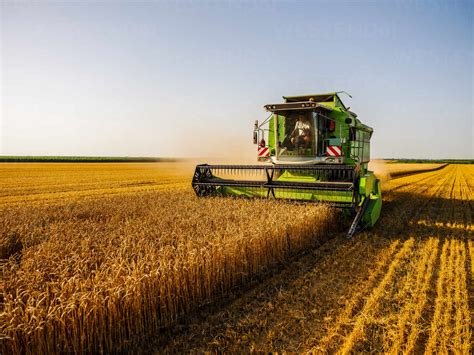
(188, 78)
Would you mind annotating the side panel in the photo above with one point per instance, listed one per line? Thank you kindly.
(372, 213)
(367, 184)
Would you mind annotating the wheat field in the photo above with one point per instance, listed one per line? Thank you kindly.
(97, 274)
(106, 257)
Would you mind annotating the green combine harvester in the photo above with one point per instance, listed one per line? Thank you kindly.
(311, 149)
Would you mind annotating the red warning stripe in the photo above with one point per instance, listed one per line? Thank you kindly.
(263, 152)
(334, 150)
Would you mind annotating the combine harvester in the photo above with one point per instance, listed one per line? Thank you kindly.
(315, 150)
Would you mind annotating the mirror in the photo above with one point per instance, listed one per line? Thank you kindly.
(255, 132)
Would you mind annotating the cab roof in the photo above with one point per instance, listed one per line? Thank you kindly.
(328, 101)
(329, 97)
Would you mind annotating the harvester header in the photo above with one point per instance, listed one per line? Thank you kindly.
(312, 149)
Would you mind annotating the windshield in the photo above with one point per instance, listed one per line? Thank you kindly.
(296, 132)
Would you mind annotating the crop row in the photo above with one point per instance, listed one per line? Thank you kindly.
(98, 275)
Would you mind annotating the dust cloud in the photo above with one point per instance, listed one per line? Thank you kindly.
(380, 168)
(220, 149)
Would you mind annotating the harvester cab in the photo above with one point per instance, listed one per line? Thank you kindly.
(312, 148)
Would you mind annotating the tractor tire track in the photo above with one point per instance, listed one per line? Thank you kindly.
(414, 317)
(356, 299)
(373, 301)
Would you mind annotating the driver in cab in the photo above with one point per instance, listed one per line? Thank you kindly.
(301, 135)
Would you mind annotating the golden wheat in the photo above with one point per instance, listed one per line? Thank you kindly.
(96, 275)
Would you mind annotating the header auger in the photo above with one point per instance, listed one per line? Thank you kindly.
(312, 149)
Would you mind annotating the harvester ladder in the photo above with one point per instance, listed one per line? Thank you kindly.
(355, 223)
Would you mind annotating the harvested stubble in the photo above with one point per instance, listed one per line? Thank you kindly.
(98, 275)
(386, 171)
